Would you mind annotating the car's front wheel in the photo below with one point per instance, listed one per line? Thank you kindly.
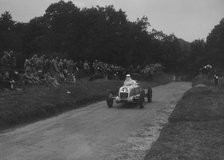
(142, 98)
(149, 94)
(109, 99)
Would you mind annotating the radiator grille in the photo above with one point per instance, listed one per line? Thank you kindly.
(123, 95)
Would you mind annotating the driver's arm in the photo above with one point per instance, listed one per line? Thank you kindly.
(134, 82)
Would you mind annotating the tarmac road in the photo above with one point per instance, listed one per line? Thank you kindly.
(94, 132)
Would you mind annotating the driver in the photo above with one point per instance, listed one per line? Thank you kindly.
(129, 81)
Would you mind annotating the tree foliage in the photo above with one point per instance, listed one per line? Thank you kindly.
(6, 29)
(215, 45)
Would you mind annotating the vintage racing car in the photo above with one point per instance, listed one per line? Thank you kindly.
(132, 93)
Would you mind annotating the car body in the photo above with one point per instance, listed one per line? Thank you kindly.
(128, 93)
(132, 93)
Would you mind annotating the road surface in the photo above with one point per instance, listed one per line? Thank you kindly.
(94, 132)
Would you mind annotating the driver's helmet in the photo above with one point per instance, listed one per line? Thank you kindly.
(128, 75)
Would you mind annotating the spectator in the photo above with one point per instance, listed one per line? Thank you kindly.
(61, 70)
(51, 80)
(5, 63)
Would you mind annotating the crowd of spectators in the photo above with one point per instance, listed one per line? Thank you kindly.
(41, 69)
(104, 70)
(152, 68)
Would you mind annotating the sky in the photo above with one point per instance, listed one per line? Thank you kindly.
(186, 19)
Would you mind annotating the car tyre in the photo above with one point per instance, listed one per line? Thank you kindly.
(142, 98)
(109, 99)
(149, 94)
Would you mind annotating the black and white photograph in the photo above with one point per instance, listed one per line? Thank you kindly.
(111, 79)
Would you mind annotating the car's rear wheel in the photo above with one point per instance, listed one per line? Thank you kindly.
(142, 98)
(109, 99)
(149, 94)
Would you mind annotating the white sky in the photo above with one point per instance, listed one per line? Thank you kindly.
(187, 19)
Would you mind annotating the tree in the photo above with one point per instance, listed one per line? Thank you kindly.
(59, 17)
(214, 45)
(102, 33)
(6, 31)
(197, 57)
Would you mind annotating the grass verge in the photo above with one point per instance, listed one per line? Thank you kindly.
(195, 129)
(40, 102)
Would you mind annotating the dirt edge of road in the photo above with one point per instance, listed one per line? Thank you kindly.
(195, 128)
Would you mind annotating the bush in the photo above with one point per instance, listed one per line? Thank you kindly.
(201, 79)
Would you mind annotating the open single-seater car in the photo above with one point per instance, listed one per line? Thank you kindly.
(131, 93)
